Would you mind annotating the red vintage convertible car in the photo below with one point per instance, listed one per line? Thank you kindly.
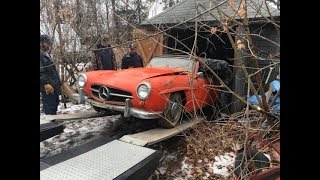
(166, 88)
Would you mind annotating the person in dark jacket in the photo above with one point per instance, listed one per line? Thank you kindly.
(223, 70)
(49, 79)
(106, 55)
(131, 59)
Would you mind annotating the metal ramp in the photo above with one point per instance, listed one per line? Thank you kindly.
(156, 135)
(107, 158)
(50, 129)
(103, 158)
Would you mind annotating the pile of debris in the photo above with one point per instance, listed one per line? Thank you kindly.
(212, 149)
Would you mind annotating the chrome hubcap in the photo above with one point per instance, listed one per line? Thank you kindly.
(175, 111)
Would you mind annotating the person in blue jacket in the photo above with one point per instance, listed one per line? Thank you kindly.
(131, 59)
(49, 78)
(106, 54)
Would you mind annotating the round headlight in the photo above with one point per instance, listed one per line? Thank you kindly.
(82, 79)
(143, 90)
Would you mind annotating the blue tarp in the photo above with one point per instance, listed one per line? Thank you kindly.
(276, 106)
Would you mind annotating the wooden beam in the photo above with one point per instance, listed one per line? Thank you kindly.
(154, 48)
(142, 53)
(153, 136)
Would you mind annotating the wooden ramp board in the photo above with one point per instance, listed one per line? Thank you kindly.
(42, 121)
(67, 117)
(153, 136)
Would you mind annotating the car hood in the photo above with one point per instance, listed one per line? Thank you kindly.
(127, 77)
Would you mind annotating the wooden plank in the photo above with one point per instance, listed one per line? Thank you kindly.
(67, 117)
(151, 46)
(156, 135)
(43, 121)
(156, 44)
(159, 48)
(144, 57)
(148, 46)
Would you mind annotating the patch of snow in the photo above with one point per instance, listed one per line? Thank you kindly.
(221, 163)
(72, 108)
(207, 175)
(75, 133)
(236, 147)
(171, 157)
(66, 130)
(186, 169)
(268, 156)
(162, 170)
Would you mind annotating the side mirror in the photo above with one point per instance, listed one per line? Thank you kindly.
(200, 74)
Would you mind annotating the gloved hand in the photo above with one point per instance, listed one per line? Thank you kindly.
(48, 88)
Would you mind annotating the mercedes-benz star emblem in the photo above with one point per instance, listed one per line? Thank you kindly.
(103, 93)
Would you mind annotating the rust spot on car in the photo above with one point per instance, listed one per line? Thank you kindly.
(169, 84)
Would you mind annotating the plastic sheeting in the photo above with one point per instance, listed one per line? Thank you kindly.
(275, 87)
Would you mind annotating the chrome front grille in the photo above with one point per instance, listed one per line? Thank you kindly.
(109, 94)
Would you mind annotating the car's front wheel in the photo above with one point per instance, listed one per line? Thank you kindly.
(173, 112)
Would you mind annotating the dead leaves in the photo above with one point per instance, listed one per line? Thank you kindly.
(207, 141)
(225, 28)
(242, 9)
(240, 45)
(66, 14)
(213, 30)
(231, 3)
(241, 12)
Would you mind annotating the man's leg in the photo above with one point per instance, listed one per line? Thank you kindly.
(225, 102)
(50, 103)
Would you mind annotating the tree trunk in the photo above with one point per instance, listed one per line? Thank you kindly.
(127, 5)
(253, 59)
(115, 22)
(139, 11)
(79, 18)
(58, 21)
(107, 9)
(95, 16)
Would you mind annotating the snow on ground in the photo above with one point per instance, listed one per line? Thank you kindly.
(178, 165)
(186, 169)
(219, 167)
(222, 162)
(72, 108)
(76, 132)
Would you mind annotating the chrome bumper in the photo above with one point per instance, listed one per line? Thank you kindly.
(127, 109)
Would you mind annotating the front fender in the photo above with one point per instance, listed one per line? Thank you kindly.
(175, 89)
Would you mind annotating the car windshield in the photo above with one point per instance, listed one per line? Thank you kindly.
(171, 62)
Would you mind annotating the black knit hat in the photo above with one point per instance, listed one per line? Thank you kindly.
(131, 46)
(45, 38)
